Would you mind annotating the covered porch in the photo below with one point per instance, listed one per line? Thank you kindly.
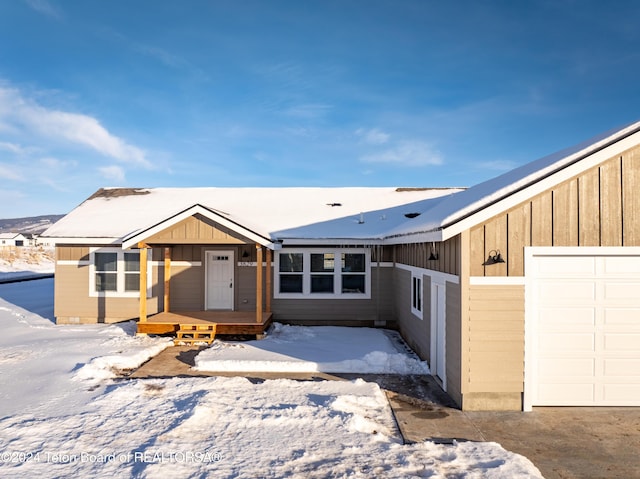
(227, 322)
(210, 286)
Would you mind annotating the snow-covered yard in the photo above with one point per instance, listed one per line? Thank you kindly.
(64, 413)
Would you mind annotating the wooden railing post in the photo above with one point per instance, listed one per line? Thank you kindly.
(259, 284)
(167, 277)
(143, 282)
(269, 276)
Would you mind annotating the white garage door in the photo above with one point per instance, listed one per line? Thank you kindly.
(585, 336)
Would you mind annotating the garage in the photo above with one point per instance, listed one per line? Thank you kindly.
(582, 326)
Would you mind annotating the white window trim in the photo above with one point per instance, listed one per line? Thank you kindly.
(337, 274)
(120, 281)
(418, 312)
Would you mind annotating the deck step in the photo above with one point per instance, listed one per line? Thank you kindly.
(195, 333)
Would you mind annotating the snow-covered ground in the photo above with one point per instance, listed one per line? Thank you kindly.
(25, 261)
(65, 413)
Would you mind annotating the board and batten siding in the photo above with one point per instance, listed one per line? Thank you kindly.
(600, 207)
(417, 254)
(72, 303)
(453, 343)
(197, 229)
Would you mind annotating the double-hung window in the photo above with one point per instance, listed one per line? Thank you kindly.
(323, 273)
(114, 272)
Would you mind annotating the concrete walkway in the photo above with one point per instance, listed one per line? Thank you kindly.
(564, 443)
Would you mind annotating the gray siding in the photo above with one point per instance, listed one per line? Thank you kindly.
(453, 342)
(343, 311)
(416, 332)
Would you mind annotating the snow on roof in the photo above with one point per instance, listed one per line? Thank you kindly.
(458, 206)
(116, 213)
(10, 235)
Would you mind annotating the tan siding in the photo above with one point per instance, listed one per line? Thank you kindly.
(496, 339)
(72, 302)
(541, 220)
(453, 338)
(417, 254)
(197, 229)
(631, 197)
(72, 253)
(565, 214)
(495, 237)
(611, 203)
(477, 250)
(519, 228)
(599, 207)
(186, 286)
(589, 211)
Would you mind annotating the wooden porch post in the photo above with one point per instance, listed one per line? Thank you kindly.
(143, 282)
(259, 284)
(268, 273)
(167, 277)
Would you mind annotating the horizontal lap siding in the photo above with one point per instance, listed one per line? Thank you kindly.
(415, 331)
(495, 339)
(72, 300)
(600, 207)
(453, 341)
(341, 311)
(186, 288)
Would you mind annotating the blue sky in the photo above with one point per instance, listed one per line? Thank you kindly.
(300, 93)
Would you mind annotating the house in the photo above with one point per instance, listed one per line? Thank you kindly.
(12, 239)
(520, 291)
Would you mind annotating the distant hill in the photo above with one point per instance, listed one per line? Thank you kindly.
(30, 225)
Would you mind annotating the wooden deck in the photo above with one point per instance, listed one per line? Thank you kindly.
(228, 322)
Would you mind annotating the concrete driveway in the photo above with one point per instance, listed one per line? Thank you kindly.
(563, 442)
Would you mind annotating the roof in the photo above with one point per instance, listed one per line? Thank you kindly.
(10, 235)
(113, 215)
(321, 215)
(462, 210)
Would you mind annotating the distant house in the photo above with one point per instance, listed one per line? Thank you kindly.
(520, 291)
(13, 239)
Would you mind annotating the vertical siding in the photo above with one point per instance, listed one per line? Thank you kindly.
(600, 207)
(417, 254)
(496, 339)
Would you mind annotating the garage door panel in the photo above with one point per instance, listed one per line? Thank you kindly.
(566, 343)
(622, 367)
(572, 291)
(569, 266)
(621, 342)
(621, 394)
(626, 317)
(570, 369)
(621, 266)
(575, 393)
(586, 343)
(626, 290)
(559, 317)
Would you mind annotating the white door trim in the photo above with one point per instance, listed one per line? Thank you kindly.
(438, 330)
(231, 255)
(531, 307)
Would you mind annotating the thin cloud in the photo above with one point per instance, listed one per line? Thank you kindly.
(74, 128)
(45, 7)
(10, 173)
(113, 172)
(406, 153)
(373, 136)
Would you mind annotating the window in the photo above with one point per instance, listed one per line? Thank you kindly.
(416, 295)
(114, 272)
(323, 273)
